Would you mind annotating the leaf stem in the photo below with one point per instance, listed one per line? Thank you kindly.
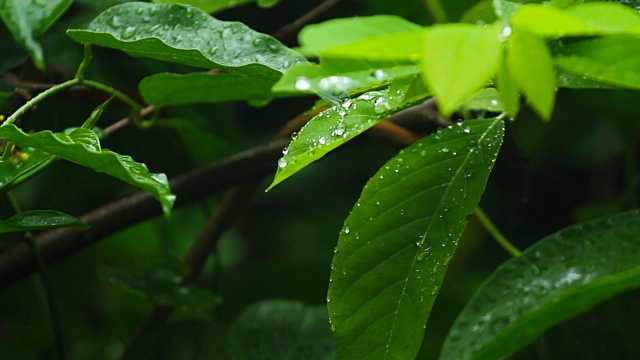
(38, 98)
(117, 93)
(56, 319)
(493, 230)
(436, 11)
(86, 59)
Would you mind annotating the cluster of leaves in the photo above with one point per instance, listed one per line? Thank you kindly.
(395, 246)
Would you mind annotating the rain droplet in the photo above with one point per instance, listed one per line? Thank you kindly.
(282, 163)
(302, 83)
(444, 150)
(346, 230)
(322, 140)
(128, 32)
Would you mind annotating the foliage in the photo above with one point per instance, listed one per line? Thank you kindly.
(458, 97)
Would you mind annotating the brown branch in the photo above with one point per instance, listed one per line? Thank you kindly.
(304, 19)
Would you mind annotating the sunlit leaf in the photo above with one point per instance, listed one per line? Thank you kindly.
(189, 36)
(334, 127)
(508, 91)
(450, 51)
(277, 330)
(397, 242)
(29, 19)
(40, 220)
(559, 277)
(480, 13)
(83, 147)
(402, 48)
(566, 3)
(174, 89)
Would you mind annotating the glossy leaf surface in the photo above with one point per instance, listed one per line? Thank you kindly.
(188, 36)
(282, 330)
(174, 89)
(401, 48)
(82, 146)
(335, 126)
(40, 220)
(397, 242)
(486, 99)
(208, 6)
(29, 19)
(561, 276)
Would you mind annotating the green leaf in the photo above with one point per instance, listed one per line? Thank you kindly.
(400, 48)
(559, 277)
(530, 63)
(83, 147)
(208, 6)
(459, 60)
(281, 330)
(188, 36)
(612, 60)
(508, 91)
(505, 9)
(397, 242)
(486, 99)
(316, 39)
(334, 127)
(480, 13)
(174, 89)
(571, 80)
(19, 166)
(29, 19)
(563, 4)
(40, 220)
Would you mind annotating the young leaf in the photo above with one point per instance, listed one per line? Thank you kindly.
(83, 147)
(480, 13)
(316, 39)
(397, 242)
(459, 60)
(508, 91)
(277, 330)
(189, 36)
(529, 61)
(559, 277)
(29, 19)
(174, 89)
(563, 4)
(16, 170)
(334, 127)
(40, 220)
(486, 99)
(401, 48)
(208, 6)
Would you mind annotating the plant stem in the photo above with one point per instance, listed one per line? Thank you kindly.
(86, 59)
(436, 11)
(497, 235)
(56, 319)
(43, 95)
(108, 89)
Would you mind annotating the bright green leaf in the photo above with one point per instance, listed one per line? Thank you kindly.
(505, 9)
(459, 60)
(571, 80)
(29, 19)
(208, 6)
(83, 147)
(397, 242)
(480, 13)
(508, 91)
(334, 127)
(486, 99)
(189, 36)
(401, 48)
(316, 39)
(559, 277)
(173, 89)
(281, 330)
(40, 220)
(530, 63)
(562, 4)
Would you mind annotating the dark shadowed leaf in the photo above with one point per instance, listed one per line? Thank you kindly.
(562, 275)
(397, 242)
(40, 220)
(13, 171)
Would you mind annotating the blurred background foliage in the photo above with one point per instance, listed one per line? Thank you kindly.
(580, 166)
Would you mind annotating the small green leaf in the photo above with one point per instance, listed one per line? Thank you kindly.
(508, 91)
(188, 36)
(208, 6)
(19, 166)
(280, 330)
(480, 13)
(559, 277)
(316, 39)
(174, 89)
(83, 147)
(486, 99)
(530, 63)
(29, 19)
(40, 220)
(459, 60)
(334, 127)
(397, 242)
(267, 3)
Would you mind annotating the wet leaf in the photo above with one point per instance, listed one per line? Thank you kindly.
(280, 330)
(486, 99)
(405, 48)
(25, 161)
(40, 220)
(208, 6)
(449, 51)
(508, 91)
(83, 147)
(397, 242)
(505, 9)
(174, 89)
(189, 36)
(559, 277)
(334, 127)
(29, 19)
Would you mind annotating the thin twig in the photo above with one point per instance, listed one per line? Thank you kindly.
(304, 19)
(493, 230)
(119, 125)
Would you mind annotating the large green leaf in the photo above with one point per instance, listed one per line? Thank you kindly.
(82, 146)
(316, 39)
(396, 244)
(335, 126)
(613, 60)
(401, 48)
(186, 35)
(281, 330)
(40, 220)
(216, 5)
(561, 276)
(29, 19)
(174, 89)
(459, 60)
